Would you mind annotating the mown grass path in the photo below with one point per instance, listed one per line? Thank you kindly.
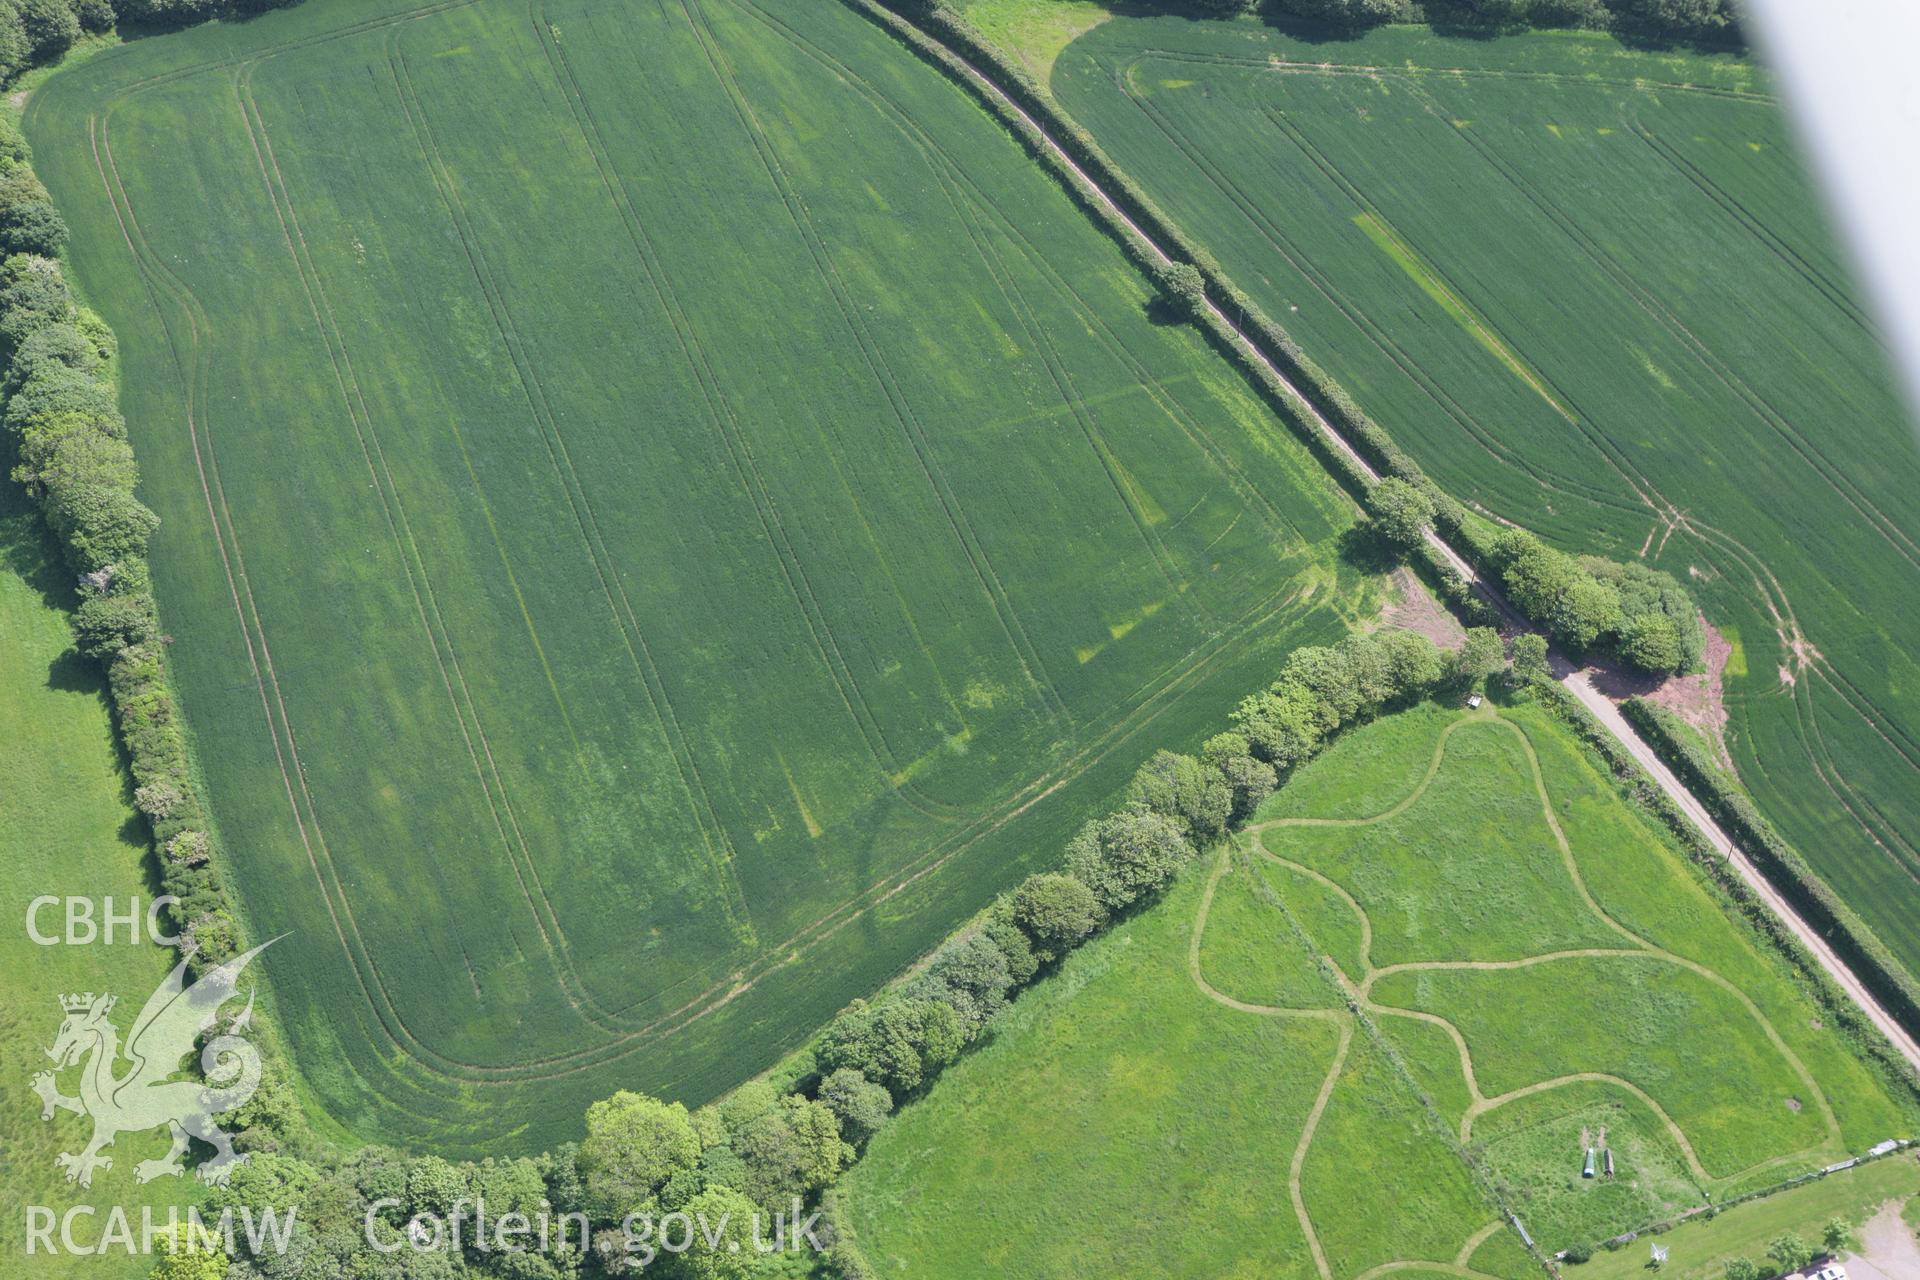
(1360, 986)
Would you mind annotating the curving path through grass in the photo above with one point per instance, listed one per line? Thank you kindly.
(1358, 992)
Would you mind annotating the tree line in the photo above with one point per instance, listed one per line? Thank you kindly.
(1684, 19)
(764, 1146)
(33, 32)
(57, 374)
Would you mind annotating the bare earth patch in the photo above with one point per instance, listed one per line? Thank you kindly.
(1414, 608)
(1698, 699)
(1888, 1250)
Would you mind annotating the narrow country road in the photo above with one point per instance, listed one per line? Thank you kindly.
(1575, 679)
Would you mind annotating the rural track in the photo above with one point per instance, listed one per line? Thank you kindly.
(1872, 823)
(1575, 679)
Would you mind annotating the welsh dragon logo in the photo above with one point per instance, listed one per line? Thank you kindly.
(143, 1096)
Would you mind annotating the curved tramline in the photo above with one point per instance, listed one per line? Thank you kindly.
(693, 691)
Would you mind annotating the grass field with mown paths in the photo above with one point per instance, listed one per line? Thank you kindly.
(1397, 1026)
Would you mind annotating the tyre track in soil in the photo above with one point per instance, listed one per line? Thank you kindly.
(1284, 248)
(438, 634)
(573, 988)
(963, 192)
(719, 847)
(1123, 728)
(902, 411)
(1672, 517)
(750, 478)
(190, 371)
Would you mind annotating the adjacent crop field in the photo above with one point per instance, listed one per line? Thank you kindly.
(1447, 960)
(666, 509)
(67, 829)
(1590, 289)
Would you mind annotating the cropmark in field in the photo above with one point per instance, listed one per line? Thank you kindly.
(1590, 289)
(666, 510)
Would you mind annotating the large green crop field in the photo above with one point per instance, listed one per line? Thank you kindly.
(666, 509)
(67, 829)
(1590, 289)
(1447, 960)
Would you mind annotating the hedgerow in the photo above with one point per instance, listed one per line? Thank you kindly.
(762, 1145)
(1715, 20)
(1892, 984)
(61, 411)
(1636, 615)
(1740, 897)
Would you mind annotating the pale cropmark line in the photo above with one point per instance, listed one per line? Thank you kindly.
(740, 453)
(250, 647)
(948, 171)
(1481, 1103)
(1773, 594)
(719, 850)
(232, 563)
(265, 654)
(348, 384)
(1277, 241)
(1792, 639)
(424, 1058)
(868, 348)
(902, 410)
(1116, 733)
(1280, 66)
(405, 543)
(149, 262)
(712, 831)
(752, 481)
(550, 50)
(1537, 379)
(734, 992)
(1704, 355)
(1193, 668)
(588, 128)
(684, 1009)
(1670, 516)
